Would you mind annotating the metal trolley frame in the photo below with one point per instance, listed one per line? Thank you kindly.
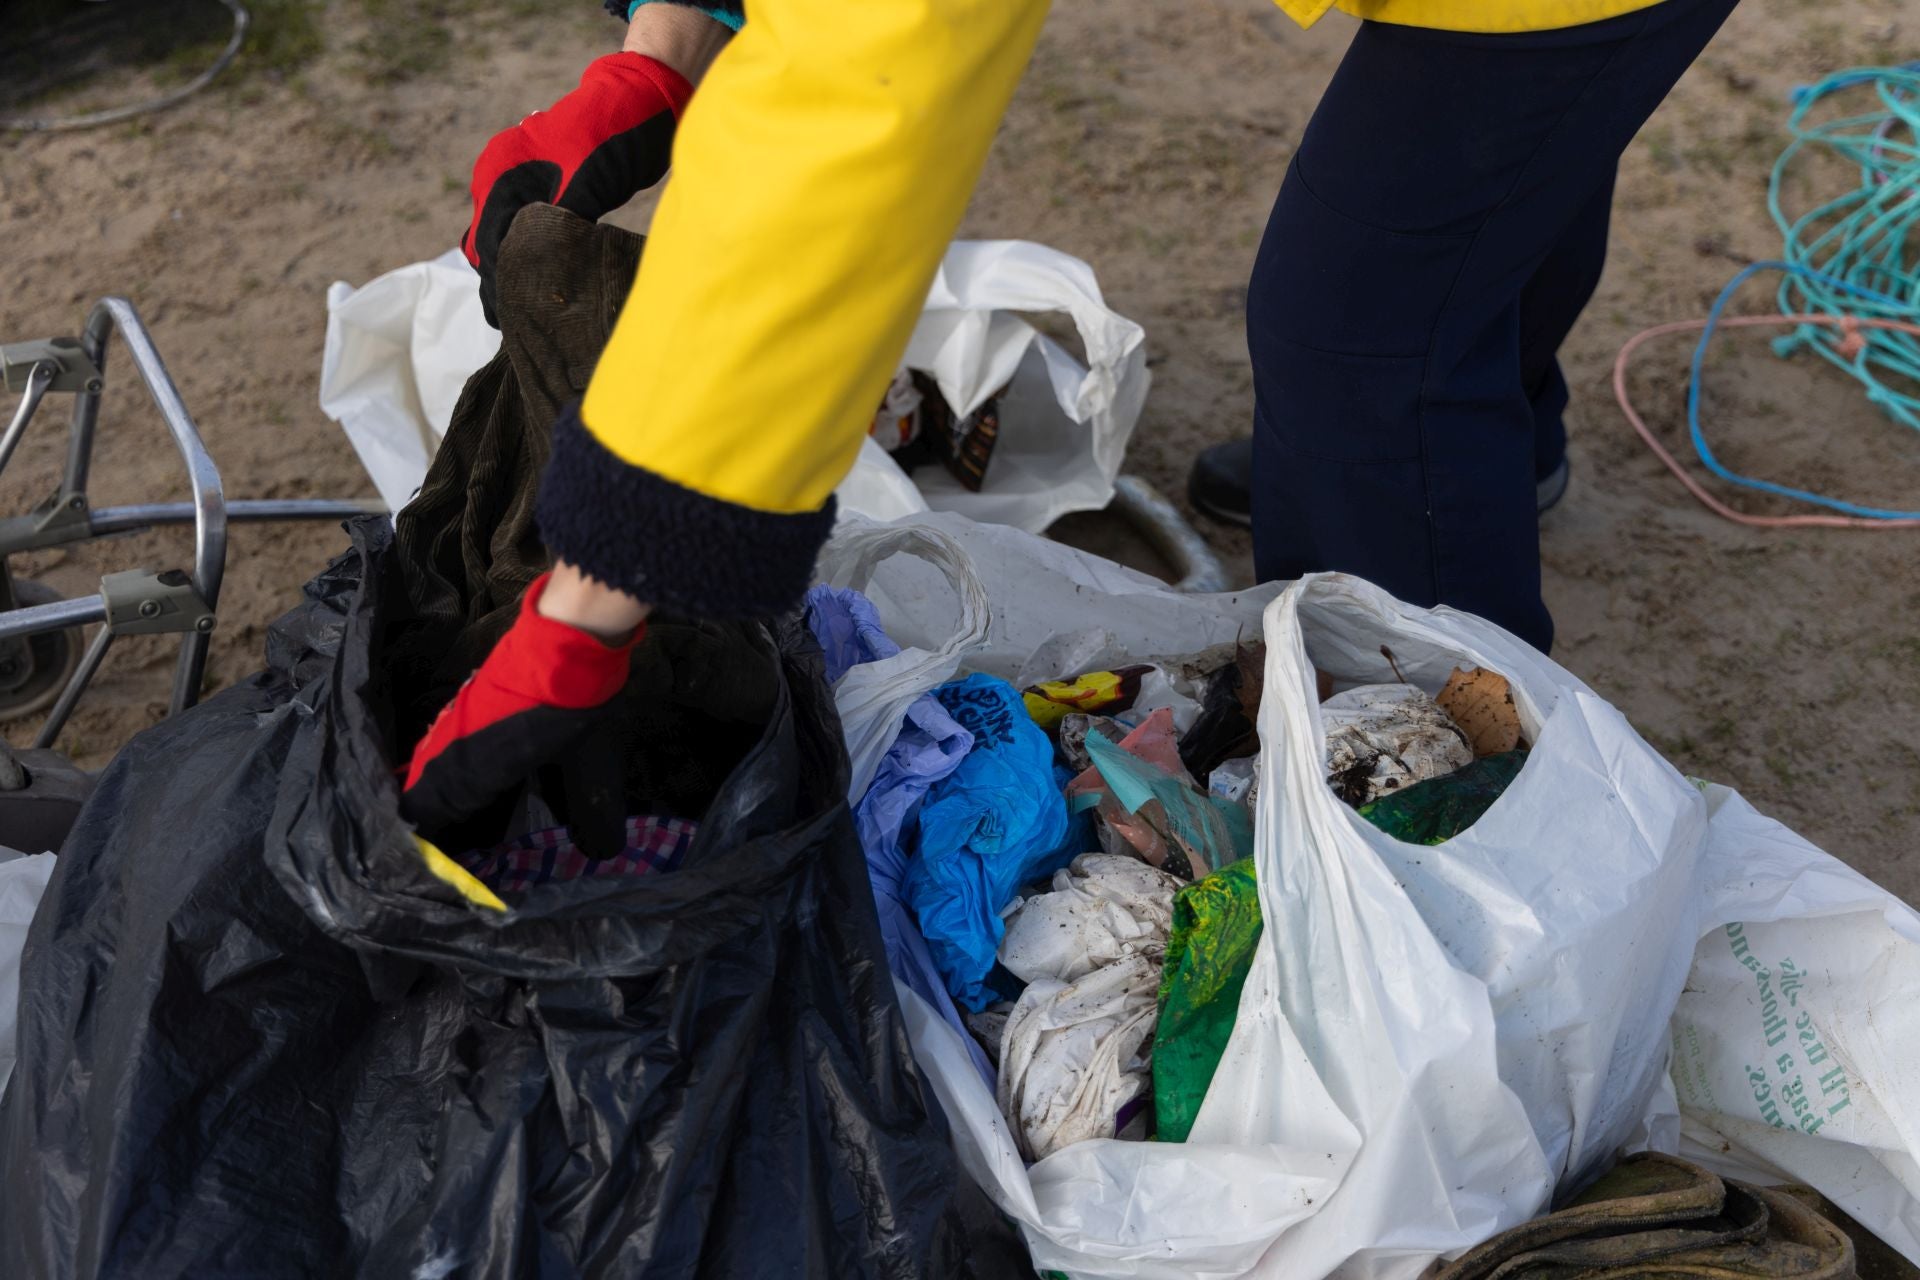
(41, 663)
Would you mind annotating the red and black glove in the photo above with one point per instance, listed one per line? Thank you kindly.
(538, 700)
(596, 149)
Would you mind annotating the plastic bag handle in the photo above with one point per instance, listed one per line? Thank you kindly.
(873, 697)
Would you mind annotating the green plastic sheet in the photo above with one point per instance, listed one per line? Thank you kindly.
(1441, 808)
(1210, 950)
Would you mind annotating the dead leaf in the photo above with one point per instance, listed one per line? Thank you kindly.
(1252, 664)
(1481, 703)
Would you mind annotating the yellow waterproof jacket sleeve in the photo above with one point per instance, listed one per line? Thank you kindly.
(819, 175)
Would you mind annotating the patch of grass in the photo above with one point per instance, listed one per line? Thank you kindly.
(286, 35)
(407, 39)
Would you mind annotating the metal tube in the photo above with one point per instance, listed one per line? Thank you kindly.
(82, 677)
(1148, 511)
(209, 502)
(189, 672)
(86, 405)
(106, 520)
(52, 617)
(39, 378)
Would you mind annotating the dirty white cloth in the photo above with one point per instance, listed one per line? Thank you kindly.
(1385, 737)
(1075, 1050)
(1101, 909)
(23, 881)
(1074, 1054)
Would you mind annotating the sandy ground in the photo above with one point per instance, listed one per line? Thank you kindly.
(1785, 664)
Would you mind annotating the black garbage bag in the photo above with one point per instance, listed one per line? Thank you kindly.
(260, 1038)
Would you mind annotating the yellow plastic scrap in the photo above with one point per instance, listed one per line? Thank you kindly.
(1097, 691)
(448, 871)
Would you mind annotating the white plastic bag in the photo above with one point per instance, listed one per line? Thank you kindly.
(1431, 1039)
(23, 881)
(877, 488)
(1797, 1043)
(398, 353)
(1052, 610)
(399, 350)
(1063, 427)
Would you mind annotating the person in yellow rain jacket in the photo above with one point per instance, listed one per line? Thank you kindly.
(1442, 224)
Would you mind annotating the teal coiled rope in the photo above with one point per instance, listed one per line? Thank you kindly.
(1859, 249)
(1852, 261)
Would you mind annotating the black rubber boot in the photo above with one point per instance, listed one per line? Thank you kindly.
(1218, 485)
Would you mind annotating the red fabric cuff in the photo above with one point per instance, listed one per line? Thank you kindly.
(629, 69)
(553, 664)
(540, 662)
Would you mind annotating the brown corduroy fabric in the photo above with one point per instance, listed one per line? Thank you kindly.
(467, 545)
(1655, 1217)
(468, 539)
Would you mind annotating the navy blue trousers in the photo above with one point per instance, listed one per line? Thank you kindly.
(1438, 232)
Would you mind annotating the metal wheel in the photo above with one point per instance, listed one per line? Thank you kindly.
(34, 670)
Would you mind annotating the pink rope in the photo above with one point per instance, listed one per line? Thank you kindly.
(1850, 325)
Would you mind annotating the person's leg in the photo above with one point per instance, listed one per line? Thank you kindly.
(1394, 436)
(1549, 305)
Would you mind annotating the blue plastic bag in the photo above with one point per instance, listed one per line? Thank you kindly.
(848, 628)
(994, 824)
(930, 746)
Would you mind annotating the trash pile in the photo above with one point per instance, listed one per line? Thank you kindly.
(1372, 945)
(1065, 889)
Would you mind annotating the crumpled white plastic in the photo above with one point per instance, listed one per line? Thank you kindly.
(1075, 1053)
(1076, 1047)
(1101, 909)
(1385, 737)
(399, 351)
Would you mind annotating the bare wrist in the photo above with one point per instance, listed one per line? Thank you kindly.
(682, 37)
(593, 607)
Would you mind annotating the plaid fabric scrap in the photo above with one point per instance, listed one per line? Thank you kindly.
(546, 857)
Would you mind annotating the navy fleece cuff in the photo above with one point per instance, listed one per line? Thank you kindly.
(666, 544)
